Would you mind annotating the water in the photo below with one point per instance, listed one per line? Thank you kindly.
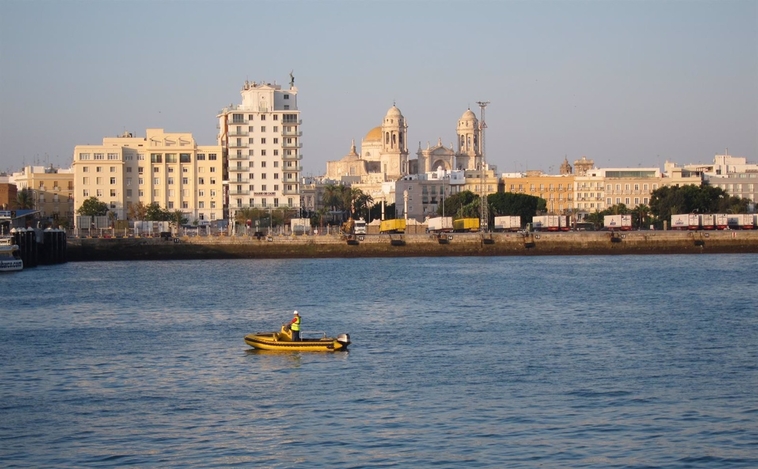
(597, 361)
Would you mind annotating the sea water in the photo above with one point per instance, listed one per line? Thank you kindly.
(592, 361)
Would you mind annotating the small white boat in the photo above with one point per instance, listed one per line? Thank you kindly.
(10, 256)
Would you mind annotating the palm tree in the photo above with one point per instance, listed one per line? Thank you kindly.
(25, 199)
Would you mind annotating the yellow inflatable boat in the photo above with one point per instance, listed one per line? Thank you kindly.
(282, 340)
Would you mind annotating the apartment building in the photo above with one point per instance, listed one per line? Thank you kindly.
(52, 190)
(165, 168)
(261, 142)
(557, 190)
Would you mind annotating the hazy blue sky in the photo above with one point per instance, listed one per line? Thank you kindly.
(626, 83)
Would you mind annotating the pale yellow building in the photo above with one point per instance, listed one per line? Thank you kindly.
(557, 190)
(52, 190)
(261, 141)
(167, 168)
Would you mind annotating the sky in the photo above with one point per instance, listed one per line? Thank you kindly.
(624, 83)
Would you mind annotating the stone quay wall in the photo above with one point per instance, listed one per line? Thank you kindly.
(414, 245)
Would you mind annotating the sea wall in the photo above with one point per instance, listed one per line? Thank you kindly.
(417, 245)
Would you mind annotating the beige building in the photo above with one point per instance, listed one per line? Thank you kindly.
(261, 140)
(52, 190)
(557, 190)
(166, 168)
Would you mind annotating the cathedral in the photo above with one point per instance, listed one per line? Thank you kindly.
(383, 155)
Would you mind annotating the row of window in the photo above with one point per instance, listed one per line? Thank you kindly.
(154, 157)
(264, 202)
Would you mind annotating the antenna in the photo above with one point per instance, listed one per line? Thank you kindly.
(483, 200)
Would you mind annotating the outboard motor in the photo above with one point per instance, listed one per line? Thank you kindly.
(344, 339)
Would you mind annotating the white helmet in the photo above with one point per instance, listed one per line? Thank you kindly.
(295, 312)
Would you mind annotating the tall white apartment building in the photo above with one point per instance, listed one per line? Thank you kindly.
(261, 145)
(166, 168)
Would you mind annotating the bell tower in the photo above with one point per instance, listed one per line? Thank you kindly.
(394, 145)
(469, 151)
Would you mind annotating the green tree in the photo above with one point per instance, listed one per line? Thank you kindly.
(25, 199)
(511, 203)
(464, 204)
(92, 207)
(154, 212)
(177, 218)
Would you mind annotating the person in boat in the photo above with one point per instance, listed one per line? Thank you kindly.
(295, 326)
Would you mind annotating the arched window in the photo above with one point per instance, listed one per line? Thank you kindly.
(394, 140)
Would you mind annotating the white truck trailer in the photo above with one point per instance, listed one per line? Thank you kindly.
(439, 224)
(508, 223)
(618, 222)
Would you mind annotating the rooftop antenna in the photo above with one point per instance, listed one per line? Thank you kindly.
(483, 199)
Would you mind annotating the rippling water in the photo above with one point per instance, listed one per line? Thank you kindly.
(608, 361)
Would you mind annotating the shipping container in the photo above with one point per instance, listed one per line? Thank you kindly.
(546, 223)
(617, 222)
(508, 223)
(708, 221)
(396, 225)
(693, 221)
(439, 224)
(722, 221)
(466, 224)
(680, 222)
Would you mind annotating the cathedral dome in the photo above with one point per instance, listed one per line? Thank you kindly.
(468, 115)
(394, 112)
(373, 135)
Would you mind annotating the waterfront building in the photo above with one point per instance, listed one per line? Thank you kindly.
(735, 175)
(8, 193)
(557, 190)
(52, 190)
(261, 142)
(169, 169)
(424, 193)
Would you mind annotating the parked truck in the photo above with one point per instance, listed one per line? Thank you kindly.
(708, 221)
(722, 222)
(508, 223)
(740, 221)
(680, 222)
(564, 223)
(466, 224)
(396, 225)
(617, 222)
(439, 224)
(546, 223)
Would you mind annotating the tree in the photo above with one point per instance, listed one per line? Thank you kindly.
(137, 211)
(92, 207)
(672, 200)
(464, 204)
(511, 203)
(25, 199)
(154, 212)
(177, 218)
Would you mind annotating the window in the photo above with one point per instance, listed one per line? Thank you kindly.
(84, 156)
(85, 193)
(99, 192)
(99, 156)
(99, 169)
(276, 175)
(276, 164)
(140, 181)
(85, 169)
(156, 158)
(276, 118)
(263, 152)
(98, 181)
(263, 141)
(250, 141)
(128, 181)
(128, 169)
(185, 158)
(200, 180)
(200, 157)
(263, 128)
(186, 181)
(113, 192)
(156, 181)
(185, 204)
(113, 156)
(201, 204)
(276, 128)
(170, 204)
(140, 170)
(286, 96)
(213, 169)
(85, 181)
(170, 181)
(276, 152)
(263, 164)
(113, 181)
(113, 169)
(156, 193)
(276, 141)
(212, 156)
(263, 117)
(128, 192)
(263, 175)
(238, 118)
(156, 170)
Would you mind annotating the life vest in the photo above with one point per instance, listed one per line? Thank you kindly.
(295, 326)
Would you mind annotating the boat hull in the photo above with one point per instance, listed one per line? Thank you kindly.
(282, 341)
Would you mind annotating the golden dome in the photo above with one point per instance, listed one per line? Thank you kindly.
(374, 135)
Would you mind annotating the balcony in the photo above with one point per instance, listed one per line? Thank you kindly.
(238, 192)
(238, 122)
(290, 191)
(293, 169)
(240, 169)
(239, 157)
(292, 122)
(292, 145)
(238, 145)
(239, 181)
(295, 157)
(292, 133)
(239, 133)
